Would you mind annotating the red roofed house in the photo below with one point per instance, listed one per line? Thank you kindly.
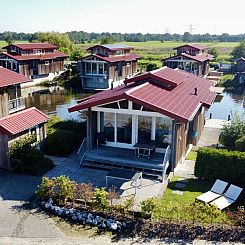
(38, 61)
(149, 112)
(15, 120)
(107, 64)
(191, 58)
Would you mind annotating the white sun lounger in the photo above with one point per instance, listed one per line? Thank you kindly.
(229, 197)
(216, 191)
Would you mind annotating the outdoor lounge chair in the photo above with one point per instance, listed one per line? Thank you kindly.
(229, 197)
(216, 191)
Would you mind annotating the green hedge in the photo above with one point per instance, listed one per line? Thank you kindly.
(221, 164)
(63, 137)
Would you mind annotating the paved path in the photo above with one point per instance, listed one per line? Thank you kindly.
(16, 219)
(101, 240)
(70, 167)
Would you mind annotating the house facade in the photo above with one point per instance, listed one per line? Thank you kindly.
(164, 106)
(107, 65)
(38, 61)
(240, 65)
(191, 58)
(15, 120)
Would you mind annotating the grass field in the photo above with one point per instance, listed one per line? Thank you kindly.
(3, 43)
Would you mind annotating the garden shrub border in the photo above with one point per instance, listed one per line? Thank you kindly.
(126, 225)
(221, 164)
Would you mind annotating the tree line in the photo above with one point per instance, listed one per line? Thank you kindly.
(82, 37)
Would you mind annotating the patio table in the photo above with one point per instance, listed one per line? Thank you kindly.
(144, 149)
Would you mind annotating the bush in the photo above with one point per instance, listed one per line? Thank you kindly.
(100, 198)
(221, 164)
(231, 133)
(240, 144)
(149, 206)
(60, 189)
(63, 136)
(25, 158)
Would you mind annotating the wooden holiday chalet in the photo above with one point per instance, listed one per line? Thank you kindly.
(157, 109)
(107, 65)
(191, 58)
(15, 120)
(38, 61)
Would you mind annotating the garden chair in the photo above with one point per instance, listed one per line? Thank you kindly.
(229, 197)
(216, 191)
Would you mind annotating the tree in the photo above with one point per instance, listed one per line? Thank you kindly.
(239, 51)
(8, 37)
(61, 40)
(232, 132)
(214, 52)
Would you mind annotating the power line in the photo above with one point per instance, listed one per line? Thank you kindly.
(191, 28)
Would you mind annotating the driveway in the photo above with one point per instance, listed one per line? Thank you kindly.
(17, 218)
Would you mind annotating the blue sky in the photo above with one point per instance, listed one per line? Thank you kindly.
(152, 16)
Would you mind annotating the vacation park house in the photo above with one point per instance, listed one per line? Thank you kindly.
(38, 61)
(158, 110)
(191, 58)
(15, 120)
(107, 65)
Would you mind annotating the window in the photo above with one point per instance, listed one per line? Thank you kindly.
(111, 105)
(144, 129)
(46, 62)
(123, 104)
(163, 131)
(88, 68)
(101, 70)
(136, 106)
(109, 126)
(124, 128)
(94, 68)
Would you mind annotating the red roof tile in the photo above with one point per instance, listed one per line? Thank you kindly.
(127, 57)
(8, 77)
(192, 45)
(199, 57)
(21, 121)
(179, 103)
(112, 47)
(54, 55)
(28, 46)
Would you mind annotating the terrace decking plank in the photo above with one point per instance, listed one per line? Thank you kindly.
(124, 157)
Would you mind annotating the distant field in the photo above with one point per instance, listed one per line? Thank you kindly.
(3, 43)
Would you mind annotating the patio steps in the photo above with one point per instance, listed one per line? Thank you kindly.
(108, 165)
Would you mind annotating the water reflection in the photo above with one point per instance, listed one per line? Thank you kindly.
(53, 100)
(56, 100)
(230, 103)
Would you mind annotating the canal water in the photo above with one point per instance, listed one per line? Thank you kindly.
(56, 100)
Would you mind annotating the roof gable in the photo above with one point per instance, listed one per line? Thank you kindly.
(28, 46)
(112, 47)
(180, 103)
(8, 78)
(22, 121)
(191, 45)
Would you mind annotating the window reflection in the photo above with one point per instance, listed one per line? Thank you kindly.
(124, 128)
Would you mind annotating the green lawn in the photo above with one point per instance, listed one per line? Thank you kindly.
(173, 206)
(192, 156)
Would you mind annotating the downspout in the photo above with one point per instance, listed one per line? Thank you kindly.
(174, 141)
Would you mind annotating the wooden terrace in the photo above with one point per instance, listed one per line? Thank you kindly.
(111, 157)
